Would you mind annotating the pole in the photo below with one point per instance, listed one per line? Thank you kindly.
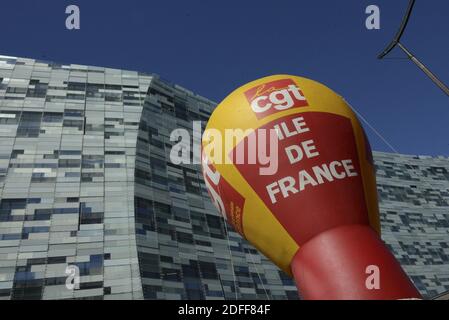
(396, 42)
(429, 73)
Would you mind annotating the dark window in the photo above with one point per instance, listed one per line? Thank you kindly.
(93, 162)
(39, 90)
(191, 270)
(213, 221)
(56, 260)
(16, 90)
(88, 216)
(184, 237)
(52, 117)
(73, 113)
(29, 125)
(55, 281)
(74, 124)
(69, 163)
(69, 152)
(9, 117)
(7, 205)
(64, 210)
(15, 153)
(91, 285)
(76, 86)
(208, 270)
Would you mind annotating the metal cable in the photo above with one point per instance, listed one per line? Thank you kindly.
(258, 274)
(373, 129)
(232, 261)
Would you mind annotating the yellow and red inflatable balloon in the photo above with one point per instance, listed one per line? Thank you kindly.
(304, 193)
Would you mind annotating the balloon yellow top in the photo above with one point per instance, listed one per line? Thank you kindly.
(285, 158)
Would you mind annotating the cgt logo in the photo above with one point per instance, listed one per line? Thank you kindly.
(276, 96)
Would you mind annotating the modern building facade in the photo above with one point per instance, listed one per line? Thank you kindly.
(414, 205)
(86, 181)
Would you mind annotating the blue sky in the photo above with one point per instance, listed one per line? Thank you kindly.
(212, 47)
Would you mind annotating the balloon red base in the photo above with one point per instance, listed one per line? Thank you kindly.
(350, 263)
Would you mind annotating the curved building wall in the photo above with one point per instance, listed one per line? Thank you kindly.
(67, 147)
(86, 182)
(182, 240)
